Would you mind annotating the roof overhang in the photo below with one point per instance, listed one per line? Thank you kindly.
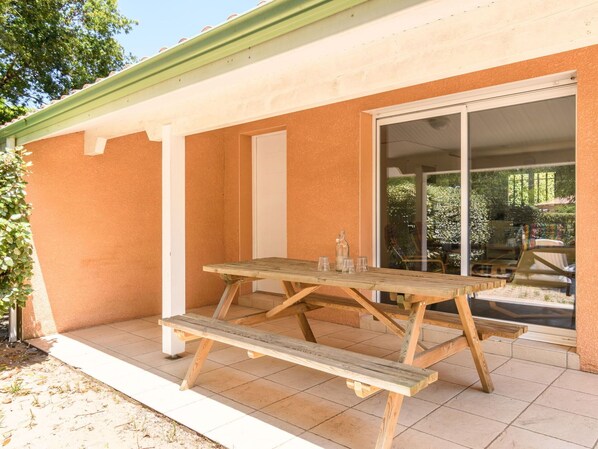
(259, 25)
(295, 55)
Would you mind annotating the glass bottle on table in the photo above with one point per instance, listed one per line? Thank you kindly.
(342, 250)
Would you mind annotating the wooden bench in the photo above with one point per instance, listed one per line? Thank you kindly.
(486, 327)
(363, 369)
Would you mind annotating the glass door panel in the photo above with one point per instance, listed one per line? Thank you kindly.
(522, 203)
(420, 194)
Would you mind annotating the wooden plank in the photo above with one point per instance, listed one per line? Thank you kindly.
(260, 317)
(485, 328)
(381, 279)
(386, 374)
(301, 318)
(379, 314)
(406, 355)
(205, 345)
(475, 346)
(290, 301)
(440, 352)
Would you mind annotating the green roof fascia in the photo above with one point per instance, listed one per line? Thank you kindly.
(262, 24)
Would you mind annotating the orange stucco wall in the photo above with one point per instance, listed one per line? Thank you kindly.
(329, 157)
(96, 223)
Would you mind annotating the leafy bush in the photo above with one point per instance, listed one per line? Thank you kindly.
(16, 262)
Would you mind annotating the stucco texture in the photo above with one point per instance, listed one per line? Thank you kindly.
(97, 220)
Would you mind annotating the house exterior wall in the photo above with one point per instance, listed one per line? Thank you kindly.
(96, 223)
(329, 154)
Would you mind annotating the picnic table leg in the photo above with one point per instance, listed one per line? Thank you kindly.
(475, 346)
(204, 344)
(301, 318)
(406, 355)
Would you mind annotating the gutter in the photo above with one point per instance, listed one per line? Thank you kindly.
(257, 26)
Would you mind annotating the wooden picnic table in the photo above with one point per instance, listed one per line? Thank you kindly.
(301, 280)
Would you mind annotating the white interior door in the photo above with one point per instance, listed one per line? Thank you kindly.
(269, 201)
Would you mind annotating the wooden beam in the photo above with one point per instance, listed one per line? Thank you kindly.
(93, 145)
(440, 352)
(292, 300)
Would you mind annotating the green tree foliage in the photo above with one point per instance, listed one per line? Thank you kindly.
(16, 263)
(50, 47)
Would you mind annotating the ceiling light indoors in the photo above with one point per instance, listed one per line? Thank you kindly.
(439, 123)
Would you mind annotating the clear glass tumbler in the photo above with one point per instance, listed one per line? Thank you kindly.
(362, 264)
(323, 263)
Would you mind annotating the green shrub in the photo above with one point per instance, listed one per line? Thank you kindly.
(16, 262)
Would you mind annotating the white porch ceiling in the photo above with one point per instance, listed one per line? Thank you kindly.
(378, 46)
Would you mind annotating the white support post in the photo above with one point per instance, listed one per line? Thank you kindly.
(173, 235)
(11, 142)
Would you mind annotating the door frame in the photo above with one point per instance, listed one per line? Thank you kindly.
(521, 92)
(254, 239)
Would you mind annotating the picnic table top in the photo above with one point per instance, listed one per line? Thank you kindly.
(418, 283)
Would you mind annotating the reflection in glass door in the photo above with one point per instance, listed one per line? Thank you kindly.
(420, 198)
(489, 191)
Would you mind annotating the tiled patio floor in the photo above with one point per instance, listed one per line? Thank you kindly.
(267, 403)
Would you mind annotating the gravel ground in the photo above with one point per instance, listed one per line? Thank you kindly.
(47, 404)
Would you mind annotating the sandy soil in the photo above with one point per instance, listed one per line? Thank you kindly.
(47, 404)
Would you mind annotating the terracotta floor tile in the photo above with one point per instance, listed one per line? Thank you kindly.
(578, 381)
(259, 393)
(263, 366)
(414, 439)
(336, 390)
(535, 372)
(514, 388)
(355, 335)
(559, 424)
(256, 431)
(516, 438)
(352, 428)
(386, 341)
(455, 374)
(464, 358)
(158, 358)
(149, 333)
(179, 368)
(228, 356)
(134, 325)
(491, 406)
(300, 377)
(440, 392)
(460, 427)
(570, 401)
(116, 339)
(330, 340)
(412, 410)
(222, 379)
(304, 410)
(138, 348)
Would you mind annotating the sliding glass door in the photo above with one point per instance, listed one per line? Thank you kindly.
(486, 189)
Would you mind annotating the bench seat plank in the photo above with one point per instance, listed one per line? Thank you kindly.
(485, 328)
(385, 374)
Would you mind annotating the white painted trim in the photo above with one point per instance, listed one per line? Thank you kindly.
(465, 166)
(93, 145)
(526, 87)
(536, 89)
(173, 235)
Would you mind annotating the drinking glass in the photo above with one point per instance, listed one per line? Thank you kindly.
(362, 264)
(348, 266)
(323, 263)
